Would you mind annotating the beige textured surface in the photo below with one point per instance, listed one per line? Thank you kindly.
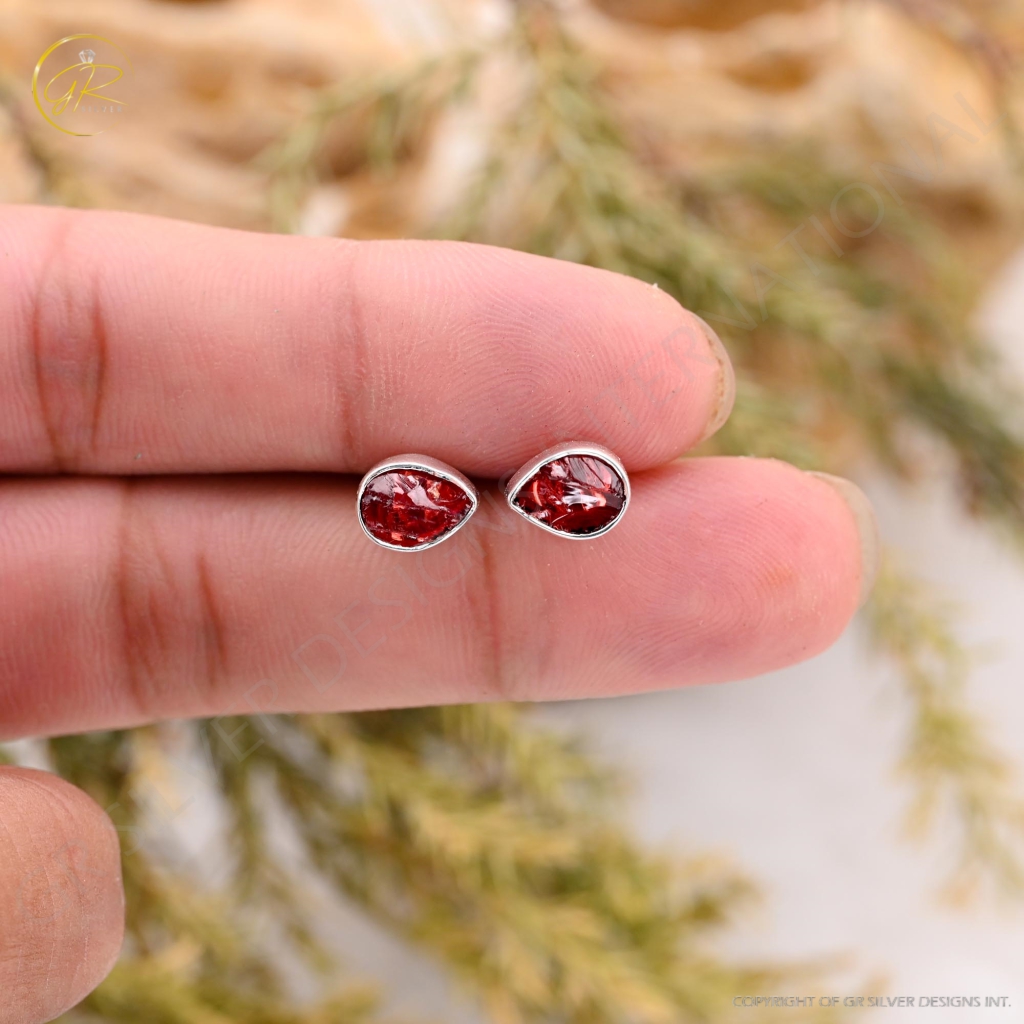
(216, 82)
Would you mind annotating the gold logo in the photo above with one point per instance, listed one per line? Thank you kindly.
(79, 84)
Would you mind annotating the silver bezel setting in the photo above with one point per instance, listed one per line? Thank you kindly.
(559, 451)
(424, 464)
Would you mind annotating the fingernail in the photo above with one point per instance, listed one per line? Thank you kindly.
(867, 527)
(726, 383)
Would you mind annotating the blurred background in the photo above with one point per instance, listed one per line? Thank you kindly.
(835, 186)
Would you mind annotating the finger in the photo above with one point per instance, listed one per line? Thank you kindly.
(133, 344)
(61, 901)
(130, 601)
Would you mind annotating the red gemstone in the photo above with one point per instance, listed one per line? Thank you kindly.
(577, 494)
(408, 508)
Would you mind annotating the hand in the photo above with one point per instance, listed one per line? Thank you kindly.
(167, 393)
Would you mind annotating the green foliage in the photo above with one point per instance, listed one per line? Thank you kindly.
(386, 116)
(479, 836)
(960, 778)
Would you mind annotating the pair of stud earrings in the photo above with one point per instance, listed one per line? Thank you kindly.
(412, 502)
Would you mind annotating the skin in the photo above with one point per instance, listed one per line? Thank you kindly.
(176, 402)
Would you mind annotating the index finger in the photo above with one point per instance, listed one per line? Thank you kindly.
(133, 344)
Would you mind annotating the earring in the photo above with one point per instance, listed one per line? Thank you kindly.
(412, 502)
(577, 490)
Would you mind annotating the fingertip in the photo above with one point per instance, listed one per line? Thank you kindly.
(725, 394)
(860, 508)
(60, 892)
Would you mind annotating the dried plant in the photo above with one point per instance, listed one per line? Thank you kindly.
(477, 835)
